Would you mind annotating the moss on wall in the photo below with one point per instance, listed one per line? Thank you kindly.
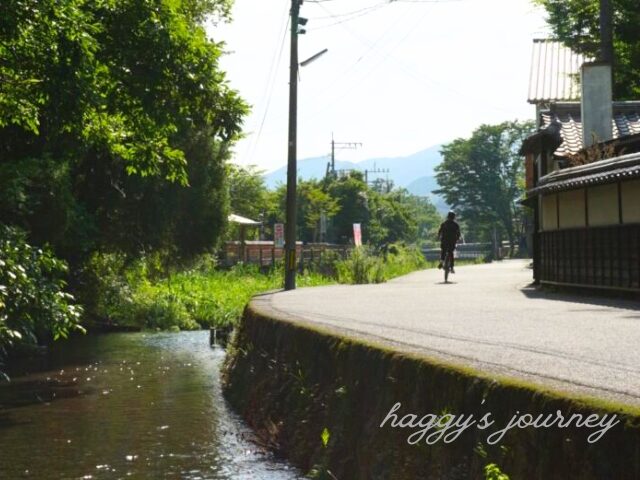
(291, 383)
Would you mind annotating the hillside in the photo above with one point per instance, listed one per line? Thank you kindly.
(402, 170)
(414, 172)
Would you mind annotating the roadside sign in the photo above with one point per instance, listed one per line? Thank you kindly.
(278, 235)
(357, 235)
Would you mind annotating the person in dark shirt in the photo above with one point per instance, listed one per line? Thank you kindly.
(449, 234)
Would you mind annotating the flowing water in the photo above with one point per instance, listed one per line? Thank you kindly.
(136, 405)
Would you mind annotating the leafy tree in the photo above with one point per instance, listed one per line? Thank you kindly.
(426, 216)
(577, 24)
(115, 123)
(318, 203)
(311, 202)
(386, 215)
(247, 191)
(391, 218)
(481, 178)
(352, 194)
(33, 302)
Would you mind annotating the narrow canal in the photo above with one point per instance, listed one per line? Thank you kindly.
(144, 406)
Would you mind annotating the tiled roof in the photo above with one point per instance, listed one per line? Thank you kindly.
(554, 72)
(626, 121)
(597, 173)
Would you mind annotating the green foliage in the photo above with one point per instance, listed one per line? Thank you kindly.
(142, 294)
(400, 260)
(352, 195)
(391, 218)
(493, 472)
(247, 191)
(33, 302)
(577, 24)
(325, 436)
(363, 266)
(480, 178)
(115, 122)
(315, 203)
(386, 215)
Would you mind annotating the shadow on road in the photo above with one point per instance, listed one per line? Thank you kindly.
(588, 297)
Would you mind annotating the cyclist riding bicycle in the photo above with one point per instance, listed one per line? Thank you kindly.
(449, 234)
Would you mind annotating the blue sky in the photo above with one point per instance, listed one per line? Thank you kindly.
(399, 76)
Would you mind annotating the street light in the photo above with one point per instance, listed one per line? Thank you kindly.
(313, 58)
(290, 231)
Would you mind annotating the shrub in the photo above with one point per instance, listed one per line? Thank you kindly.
(400, 260)
(360, 267)
(33, 302)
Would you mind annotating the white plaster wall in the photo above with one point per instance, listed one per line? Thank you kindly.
(603, 205)
(572, 209)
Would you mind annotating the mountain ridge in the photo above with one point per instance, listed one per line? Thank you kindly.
(402, 169)
(415, 172)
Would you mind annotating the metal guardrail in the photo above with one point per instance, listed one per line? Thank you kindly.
(464, 251)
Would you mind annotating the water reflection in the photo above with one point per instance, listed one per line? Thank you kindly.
(128, 405)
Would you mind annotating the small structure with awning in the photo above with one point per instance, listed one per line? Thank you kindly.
(243, 223)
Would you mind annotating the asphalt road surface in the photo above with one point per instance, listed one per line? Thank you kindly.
(488, 319)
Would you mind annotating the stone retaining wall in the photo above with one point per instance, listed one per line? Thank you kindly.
(291, 383)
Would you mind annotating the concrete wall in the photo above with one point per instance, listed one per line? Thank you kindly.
(631, 201)
(596, 103)
(290, 382)
(603, 205)
(571, 205)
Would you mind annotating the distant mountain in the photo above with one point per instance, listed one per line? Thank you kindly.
(308, 168)
(424, 187)
(402, 170)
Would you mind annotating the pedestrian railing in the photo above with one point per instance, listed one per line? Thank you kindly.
(464, 251)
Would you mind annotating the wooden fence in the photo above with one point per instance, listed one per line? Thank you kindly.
(602, 257)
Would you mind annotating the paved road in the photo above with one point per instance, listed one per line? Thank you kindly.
(488, 319)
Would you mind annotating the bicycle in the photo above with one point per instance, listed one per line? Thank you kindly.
(446, 265)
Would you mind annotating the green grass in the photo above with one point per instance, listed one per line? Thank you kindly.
(207, 296)
(196, 299)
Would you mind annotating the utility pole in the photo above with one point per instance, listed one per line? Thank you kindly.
(340, 146)
(376, 171)
(292, 167)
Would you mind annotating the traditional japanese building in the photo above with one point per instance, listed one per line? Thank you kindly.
(583, 183)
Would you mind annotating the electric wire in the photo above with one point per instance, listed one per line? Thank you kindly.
(271, 80)
(410, 72)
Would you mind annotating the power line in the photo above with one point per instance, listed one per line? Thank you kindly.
(383, 58)
(370, 46)
(339, 15)
(407, 70)
(350, 16)
(271, 80)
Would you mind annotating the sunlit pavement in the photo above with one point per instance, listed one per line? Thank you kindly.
(489, 318)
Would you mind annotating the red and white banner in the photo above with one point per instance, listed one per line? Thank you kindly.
(357, 235)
